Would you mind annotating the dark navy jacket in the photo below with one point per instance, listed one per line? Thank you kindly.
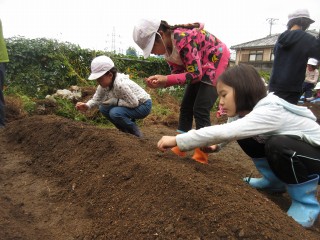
(291, 53)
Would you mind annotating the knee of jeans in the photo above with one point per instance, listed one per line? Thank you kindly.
(104, 111)
(115, 115)
(102, 108)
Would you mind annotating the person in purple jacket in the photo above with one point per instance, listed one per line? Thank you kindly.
(196, 58)
(291, 53)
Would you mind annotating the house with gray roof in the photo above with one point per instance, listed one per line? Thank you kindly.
(259, 53)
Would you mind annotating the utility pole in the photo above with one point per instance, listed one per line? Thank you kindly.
(113, 42)
(271, 22)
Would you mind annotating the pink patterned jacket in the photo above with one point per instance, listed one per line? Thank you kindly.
(204, 57)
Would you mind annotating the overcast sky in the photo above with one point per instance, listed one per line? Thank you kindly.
(104, 24)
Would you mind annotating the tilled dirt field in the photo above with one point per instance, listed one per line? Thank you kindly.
(62, 179)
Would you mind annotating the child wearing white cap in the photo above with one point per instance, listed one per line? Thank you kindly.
(291, 52)
(316, 96)
(196, 59)
(282, 139)
(312, 75)
(120, 99)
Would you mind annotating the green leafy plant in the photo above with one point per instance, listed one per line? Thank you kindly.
(160, 110)
(265, 75)
(66, 108)
(28, 103)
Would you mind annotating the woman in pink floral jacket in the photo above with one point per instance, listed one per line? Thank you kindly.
(196, 58)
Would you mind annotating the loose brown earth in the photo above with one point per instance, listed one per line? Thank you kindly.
(62, 179)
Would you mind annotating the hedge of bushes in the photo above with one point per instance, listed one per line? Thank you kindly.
(40, 66)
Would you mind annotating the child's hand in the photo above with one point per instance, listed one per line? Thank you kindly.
(167, 142)
(209, 149)
(80, 106)
(156, 81)
(150, 83)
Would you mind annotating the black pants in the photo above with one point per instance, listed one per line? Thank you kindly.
(197, 103)
(2, 76)
(290, 159)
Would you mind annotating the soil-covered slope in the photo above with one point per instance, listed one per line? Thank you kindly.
(62, 179)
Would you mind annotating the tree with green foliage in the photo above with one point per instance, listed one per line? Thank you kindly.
(131, 51)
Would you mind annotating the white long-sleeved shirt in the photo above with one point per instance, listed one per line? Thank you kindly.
(271, 116)
(129, 93)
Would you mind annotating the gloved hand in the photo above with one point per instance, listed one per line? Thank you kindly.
(111, 102)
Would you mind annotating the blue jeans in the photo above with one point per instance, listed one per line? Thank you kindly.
(2, 73)
(124, 118)
(307, 89)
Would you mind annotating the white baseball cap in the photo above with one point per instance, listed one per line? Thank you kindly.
(300, 13)
(99, 66)
(313, 61)
(144, 34)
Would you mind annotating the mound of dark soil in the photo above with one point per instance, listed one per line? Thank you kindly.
(62, 179)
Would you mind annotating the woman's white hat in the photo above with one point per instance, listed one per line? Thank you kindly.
(300, 13)
(144, 34)
(99, 66)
